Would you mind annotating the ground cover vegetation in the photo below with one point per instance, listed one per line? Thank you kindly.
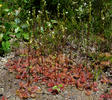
(43, 29)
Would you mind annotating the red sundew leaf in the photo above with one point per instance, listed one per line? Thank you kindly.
(24, 75)
(50, 90)
(72, 81)
(59, 75)
(88, 86)
(79, 85)
(82, 73)
(85, 69)
(88, 93)
(11, 69)
(24, 95)
(95, 89)
(46, 74)
(19, 60)
(34, 60)
(18, 77)
(104, 80)
(4, 98)
(102, 96)
(51, 84)
(95, 84)
(35, 79)
(76, 76)
(82, 79)
(21, 84)
(89, 75)
(79, 70)
(19, 69)
(26, 64)
(39, 69)
(32, 69)
(110, 91)
(34, 89)
(65, 70)
(14, 67)
(107, 95)
(100, 99)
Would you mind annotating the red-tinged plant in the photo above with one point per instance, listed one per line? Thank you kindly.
(106, 96)
(88, 92)
(82, 79)
(100, 99)
(50, 84)
(89, 75)
(88, 86)
(104, 80)
(18, 76)
(110, 91)
(23, 94)
(34, 89)
(50, 71)
(102, 96)
(95, 84)
(50, 89)
(79, 85)
(76, 76)
(95, 89)
(4, 98)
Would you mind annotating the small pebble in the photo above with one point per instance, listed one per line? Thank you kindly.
(12, 98)
(1, 90)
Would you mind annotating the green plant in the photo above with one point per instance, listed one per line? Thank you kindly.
(57, 87)
(97, 73)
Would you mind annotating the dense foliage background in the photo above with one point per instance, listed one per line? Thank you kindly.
(50, 24)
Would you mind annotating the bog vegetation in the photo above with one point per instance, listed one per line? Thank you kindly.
(46, 27)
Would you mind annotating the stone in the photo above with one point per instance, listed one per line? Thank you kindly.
(9, 95)
(1, 90)
(17, 98)
(12, 98)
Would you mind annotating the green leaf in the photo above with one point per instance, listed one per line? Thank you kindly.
(55, 87)
(6, 46)
(42, 30)
(60, 85)
(1, 36)
(18, 35)
(49, 24)
(17, 29)
(17, 20)
(54, 21)
(26, 36)
(6, 10)
(58, 89)
(7, 26)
